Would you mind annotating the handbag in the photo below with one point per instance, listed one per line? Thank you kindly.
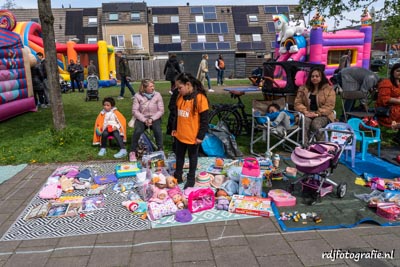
(131, 123)
(251, 167)
(382, 111)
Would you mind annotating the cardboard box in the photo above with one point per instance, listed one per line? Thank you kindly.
(250, 186)
(256, 206)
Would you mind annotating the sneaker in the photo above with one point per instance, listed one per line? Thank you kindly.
(211, 91)
(170, 92)
(102, 152)
(120, 97)
(132, 156)
(122, 153)
(43, 106)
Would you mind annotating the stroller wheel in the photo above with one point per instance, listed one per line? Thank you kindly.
(341, 190)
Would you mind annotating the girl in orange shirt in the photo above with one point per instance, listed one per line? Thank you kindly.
(191, 124)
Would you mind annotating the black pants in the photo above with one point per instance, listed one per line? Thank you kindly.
(115, 134)
(193, 153)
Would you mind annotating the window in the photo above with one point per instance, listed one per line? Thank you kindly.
(176, 38)
(253, 18)
(174, 19)
(199, 19)
(92, 40)
(201, 38)
(135, 16)
(92, 21)
(270, 10)
(237, 37)
(256, 37)
(220, 38)
(113, 16)
(156, 39)
(271, 26)
(155, 19)
(283, 9)
(118, 40)
(137, 41)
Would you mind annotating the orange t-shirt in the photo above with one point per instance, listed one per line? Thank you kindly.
(188, 121)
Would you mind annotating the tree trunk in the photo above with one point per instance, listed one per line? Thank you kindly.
(47, 21)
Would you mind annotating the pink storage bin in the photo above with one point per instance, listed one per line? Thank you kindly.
(281, 198)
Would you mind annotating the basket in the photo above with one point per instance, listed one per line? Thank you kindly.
(314, 185)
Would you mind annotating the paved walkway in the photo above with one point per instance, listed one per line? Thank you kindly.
(249, 242)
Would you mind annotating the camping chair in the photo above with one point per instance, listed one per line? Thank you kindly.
(353, 95)
(362, 132)
(339, 133)
(262, 131)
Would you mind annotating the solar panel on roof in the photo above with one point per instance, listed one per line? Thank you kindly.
(192, 28)
(209, 9)
(210, 16)
(196, 10)
(270, 10)
(216, 27)
(200, 28)
(197, 46)
(224, 27)
(224, 45)
(210, 46)
(283, 9)
(208, 28)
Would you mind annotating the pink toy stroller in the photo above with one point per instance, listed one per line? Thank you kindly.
(317, 163)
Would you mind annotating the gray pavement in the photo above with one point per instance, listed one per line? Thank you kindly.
(249, 242)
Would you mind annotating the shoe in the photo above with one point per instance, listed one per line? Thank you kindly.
(120, 97)
(211, 91)
(122, 153)
(218, 84)
(170, 92)
(189, 184)
(133, 97)
(102, 152)
(132, 157)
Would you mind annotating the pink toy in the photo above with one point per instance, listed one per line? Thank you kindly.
(281, 198)
(201, 199)
(251, 167)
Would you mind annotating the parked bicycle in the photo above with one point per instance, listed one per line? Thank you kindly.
(234, 115)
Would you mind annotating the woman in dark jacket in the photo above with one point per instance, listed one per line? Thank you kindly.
(171, 70)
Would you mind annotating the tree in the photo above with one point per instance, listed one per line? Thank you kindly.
(9, 4)
(47, 21)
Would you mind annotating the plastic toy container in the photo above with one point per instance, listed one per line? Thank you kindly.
(281, 198)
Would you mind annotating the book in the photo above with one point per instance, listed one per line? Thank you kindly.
(105, 179)
(92, 203)
(58, 210)
(251, 205)
(38, 211)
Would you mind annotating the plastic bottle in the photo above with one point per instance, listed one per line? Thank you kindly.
(276, 160)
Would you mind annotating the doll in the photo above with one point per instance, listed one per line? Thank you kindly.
(177, 196)
(159, 181)
(222, 199)
(171, 182)
(159, 195)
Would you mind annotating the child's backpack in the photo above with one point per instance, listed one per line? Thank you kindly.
(146, 144)
(221, 64)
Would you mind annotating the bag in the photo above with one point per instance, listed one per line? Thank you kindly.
(212, 146)
(382, 111)
(201, 199)
(221, 64)
(221, 131)
(146, 144)
(251, 167)
(131, 123)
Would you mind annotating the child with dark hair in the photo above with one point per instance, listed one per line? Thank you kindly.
(281, 120)
(110, 122)
(191, 124)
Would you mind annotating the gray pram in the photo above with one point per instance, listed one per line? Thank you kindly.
(92, 91)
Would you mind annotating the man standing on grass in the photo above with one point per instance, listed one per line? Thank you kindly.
(44, 75)
(124, 72)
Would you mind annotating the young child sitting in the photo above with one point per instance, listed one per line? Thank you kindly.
(110, 122)
(281, 120)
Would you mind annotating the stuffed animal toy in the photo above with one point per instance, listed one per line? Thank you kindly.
(137, 207)
(66, 184)
(177, 196)
(222, 199)
(171, 182)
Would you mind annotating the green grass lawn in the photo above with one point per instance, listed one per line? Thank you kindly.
(30, 138)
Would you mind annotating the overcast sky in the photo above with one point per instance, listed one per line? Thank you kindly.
(97, 3)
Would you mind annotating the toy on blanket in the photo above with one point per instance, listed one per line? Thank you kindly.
(177, 196)
(222, 199)
(137, 207)
(66, 184)
(171, 182)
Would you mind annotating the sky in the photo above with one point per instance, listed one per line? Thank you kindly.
(97, 3)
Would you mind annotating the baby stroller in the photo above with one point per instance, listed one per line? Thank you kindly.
(317, 163)
(64, 86)
(92, 90)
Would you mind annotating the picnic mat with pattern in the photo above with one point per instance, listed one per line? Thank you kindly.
(334, 212)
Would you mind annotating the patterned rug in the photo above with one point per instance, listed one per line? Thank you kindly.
(8, 171)
(112, 218)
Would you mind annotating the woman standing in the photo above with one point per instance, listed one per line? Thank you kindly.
(191, 124)
(147, 108)
(316, 100)
(389, 97)
(202, 72)
(171, 70)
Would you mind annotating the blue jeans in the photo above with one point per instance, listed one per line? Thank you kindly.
(220, 76)
(124, 82)
(208, 80)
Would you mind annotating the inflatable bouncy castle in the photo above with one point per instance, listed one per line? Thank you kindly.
(16, 93)
(294, 42)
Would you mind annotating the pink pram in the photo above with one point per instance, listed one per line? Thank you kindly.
(317, 162)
